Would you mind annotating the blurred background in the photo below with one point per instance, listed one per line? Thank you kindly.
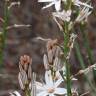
(22, 41)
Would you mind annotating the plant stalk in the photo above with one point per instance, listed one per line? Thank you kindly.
(3, 35)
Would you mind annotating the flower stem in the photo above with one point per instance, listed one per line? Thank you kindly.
(27, 92)
(66, 50)
(69, 2)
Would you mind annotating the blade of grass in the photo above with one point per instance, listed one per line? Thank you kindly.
(79, 56)
(86, 44)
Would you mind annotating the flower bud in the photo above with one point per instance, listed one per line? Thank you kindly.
(25, 74)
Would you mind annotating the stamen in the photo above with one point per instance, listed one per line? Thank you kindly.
(50, 90)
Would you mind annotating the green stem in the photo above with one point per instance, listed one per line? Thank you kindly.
(66, 50)
(3, 37)
(27, 92)
(69, 2)
(68, 78)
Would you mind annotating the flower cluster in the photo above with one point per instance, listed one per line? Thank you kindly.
(55, 70)
(57, 3)
(53, 77)
(82, 9)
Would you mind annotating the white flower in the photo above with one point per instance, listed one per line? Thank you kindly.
(57, 4)
(78, 3)
(51, 87)
(84, 13)
(63, 15)
(15, 93)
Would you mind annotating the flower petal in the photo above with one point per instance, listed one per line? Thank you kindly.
(15, 93)
(56, 60)
(69, 12)
(30, 72)
(24, 77)
(60, 91)
(58, 82)
(51, 94)
(45, 60)
(45, 0)
(63, 15)
(84, 4)
(49, 5)
(68, 19)
(57, 4)
(48, 78)
(20, 81)
(50, 56)
(74, 79)
(39, 86)
(43, 93)
(60, 27)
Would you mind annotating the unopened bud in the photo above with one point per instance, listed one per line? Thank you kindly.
(25, 62)
(25, 74)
